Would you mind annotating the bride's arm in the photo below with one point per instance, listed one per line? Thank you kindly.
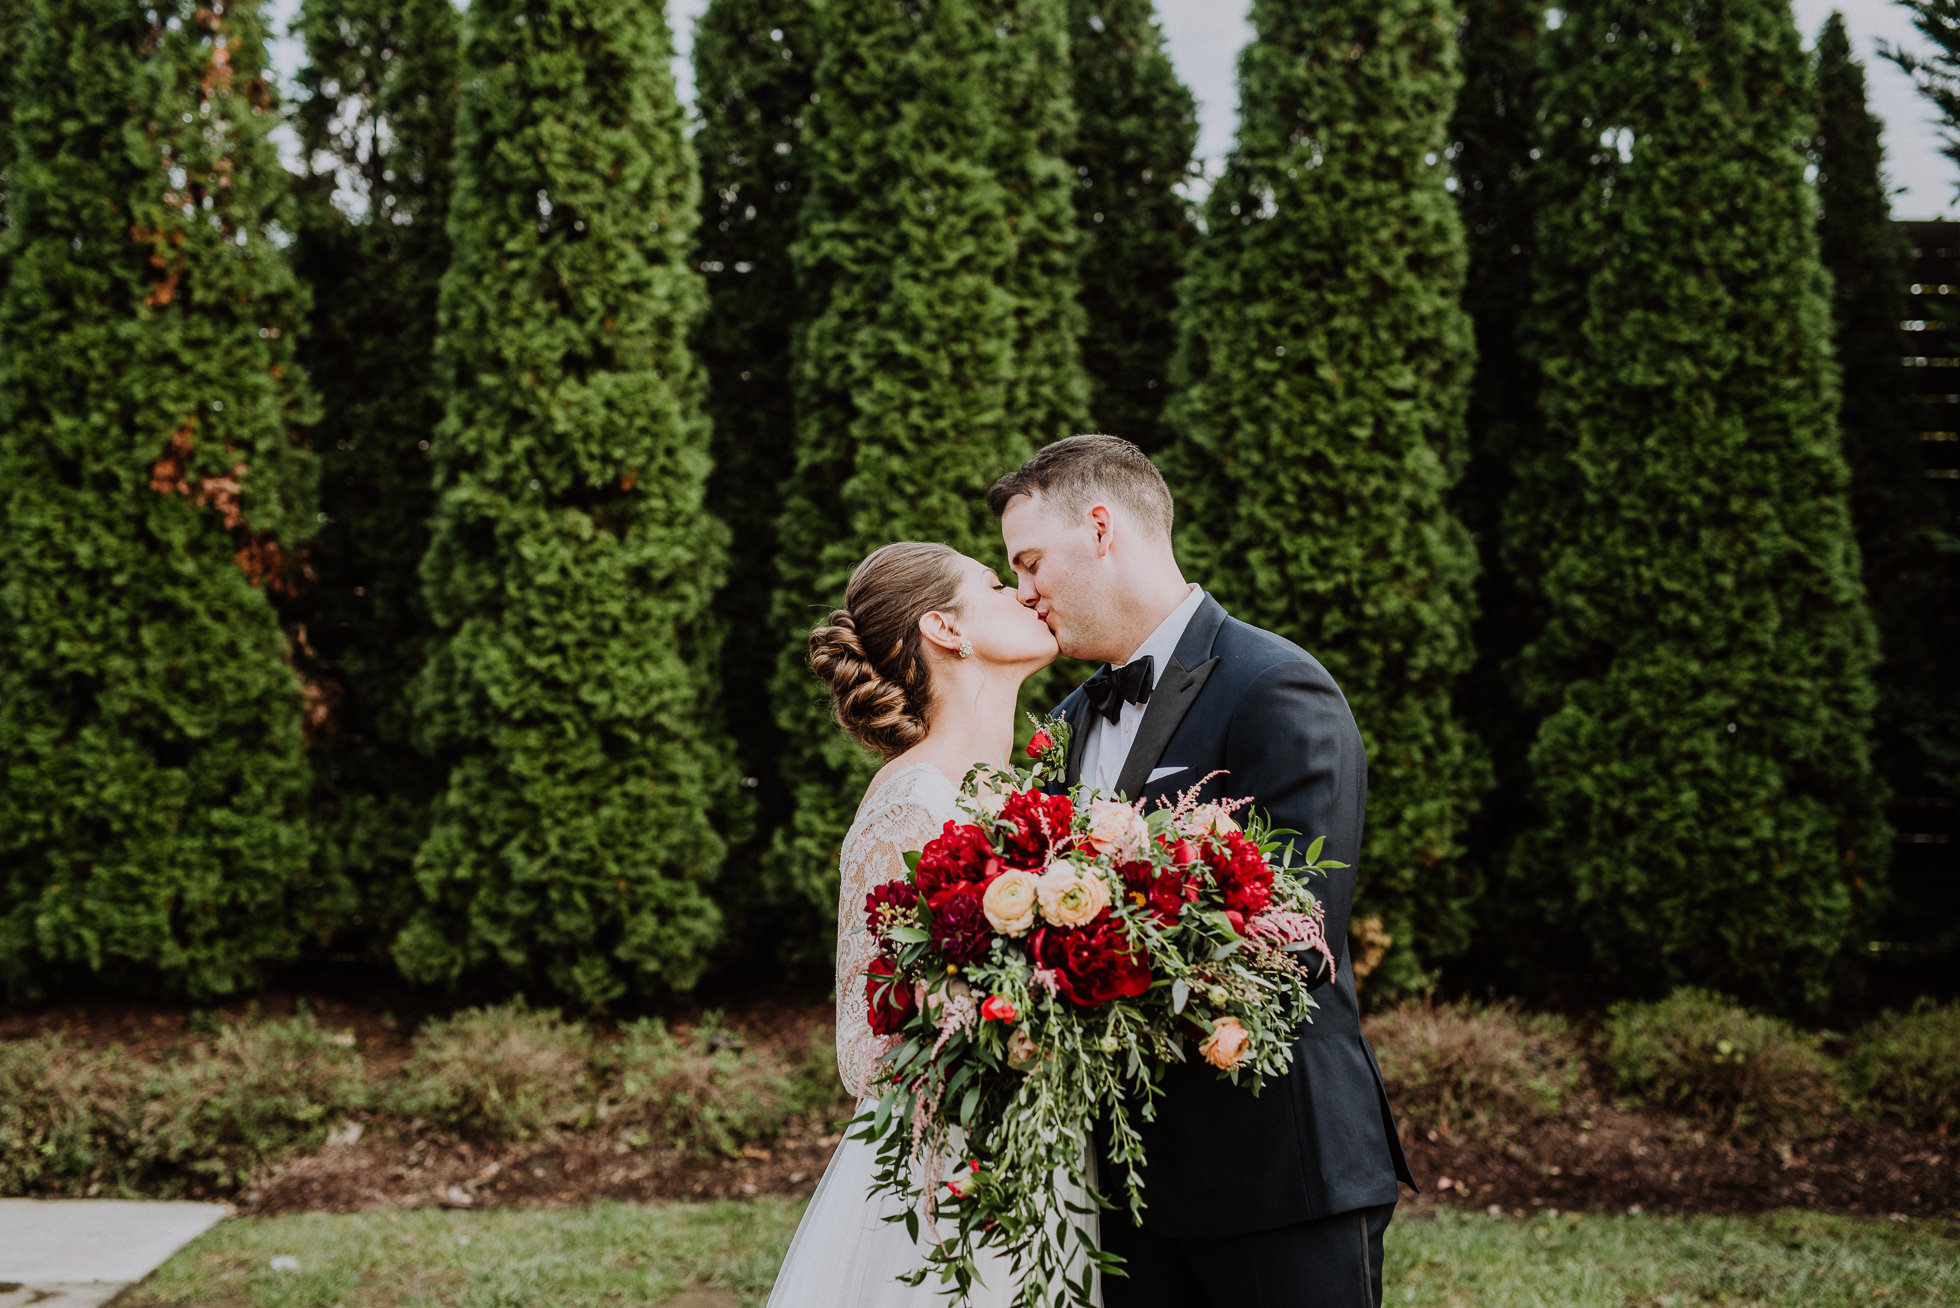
(875, 855)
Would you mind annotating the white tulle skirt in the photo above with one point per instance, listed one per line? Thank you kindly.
(845, 1255)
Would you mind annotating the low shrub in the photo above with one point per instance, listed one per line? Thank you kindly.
(709, 1092)
(505, 1072)
(1481, 1072)
(1703, 1056)
(63, 1118)
(222, 1107)
(214, 1109)
(1906, 1066)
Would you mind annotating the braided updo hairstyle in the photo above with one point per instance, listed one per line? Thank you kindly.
(870, 655)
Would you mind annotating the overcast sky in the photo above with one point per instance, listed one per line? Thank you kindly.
(1204, 37)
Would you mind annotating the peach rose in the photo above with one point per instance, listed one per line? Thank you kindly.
(1069, 895)
(1021, 1047)
(1208, 820)
(1226, 1044)
(1010, 902)
(1115, 828)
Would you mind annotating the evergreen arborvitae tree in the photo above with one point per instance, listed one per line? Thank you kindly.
(754, 69)
(571, 563)
(1136, 127)
(377, 123)
(1492, 135)
(1322, 376)
(1705, 806)
(152, 781)
(938, 265)
(1909, 562)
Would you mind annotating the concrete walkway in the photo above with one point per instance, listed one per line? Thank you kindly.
(81, 1253)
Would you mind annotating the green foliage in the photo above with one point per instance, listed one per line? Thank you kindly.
(1491, 139)
(1135, 130)
(505, 1072)
(1705, 808)
(1321, 381)
(1904, 1065)
(571, 562)
(754, 70)
(708, 1094)
(937, 262)
(205, 1117)
(376, 121)
(1701, 1055)
(152, 785)
(1476, 1072)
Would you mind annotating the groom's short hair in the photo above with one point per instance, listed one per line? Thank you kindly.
(1080, 471)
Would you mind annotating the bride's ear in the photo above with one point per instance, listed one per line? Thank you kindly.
(934, 626)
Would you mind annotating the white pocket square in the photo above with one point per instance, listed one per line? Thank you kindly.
(1158, 774)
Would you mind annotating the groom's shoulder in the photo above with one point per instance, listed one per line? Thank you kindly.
(1249, 652)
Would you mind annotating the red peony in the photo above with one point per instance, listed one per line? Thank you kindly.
(1093, 964)
(951, 861)
(960, 930)
(1245, 879)
(1033, 824)
(1165, 892)
(890, 1002)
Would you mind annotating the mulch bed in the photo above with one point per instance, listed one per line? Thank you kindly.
(1597, 1158)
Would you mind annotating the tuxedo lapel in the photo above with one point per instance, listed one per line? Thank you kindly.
(1078, 728)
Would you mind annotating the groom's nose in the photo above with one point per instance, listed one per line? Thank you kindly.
(1025, 591)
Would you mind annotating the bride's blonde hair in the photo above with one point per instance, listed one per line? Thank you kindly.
(871, 654)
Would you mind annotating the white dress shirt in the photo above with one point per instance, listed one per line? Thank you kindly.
(1107, 746)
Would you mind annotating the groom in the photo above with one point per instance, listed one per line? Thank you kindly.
(1279, 1198)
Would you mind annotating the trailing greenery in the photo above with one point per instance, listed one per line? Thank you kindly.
(1902, 1065)
(376, 122)
(1323, 368)
(1702, 1055)
(1491, 137)
(152, 495)
(1136, 126)
(571, 563)
(1705, 806)
(937, 263)
(754, 72)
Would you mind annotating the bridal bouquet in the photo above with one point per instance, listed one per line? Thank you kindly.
(1043, 963)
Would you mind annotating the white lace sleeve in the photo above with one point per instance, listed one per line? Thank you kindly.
(873, 854)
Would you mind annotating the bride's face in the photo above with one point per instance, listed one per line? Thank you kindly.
(1003, 630)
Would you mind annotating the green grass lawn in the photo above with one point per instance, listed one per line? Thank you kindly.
(708, 1255)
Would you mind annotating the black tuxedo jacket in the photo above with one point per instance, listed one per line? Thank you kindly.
(1321, 1140)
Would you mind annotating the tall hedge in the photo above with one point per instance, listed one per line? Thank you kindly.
(571, 562)
(1705, 804)
(1492, 135)
(1322, 375)
(1136, 126)
(937, 261)
(376, 120)
(152, 783)
(754, 70)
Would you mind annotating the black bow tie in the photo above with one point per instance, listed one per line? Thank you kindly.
(1112, 688)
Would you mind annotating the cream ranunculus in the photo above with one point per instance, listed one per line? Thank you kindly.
(1226, 1044)
(1070, 894)
(1115, 828)
(1010, 902)
(1208, 820)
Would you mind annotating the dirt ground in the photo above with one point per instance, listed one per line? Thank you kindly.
(1598, 1157)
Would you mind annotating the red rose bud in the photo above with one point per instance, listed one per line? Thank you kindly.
(1042, 741)
(974, 1164)
(1237, 919)
(997, 1009)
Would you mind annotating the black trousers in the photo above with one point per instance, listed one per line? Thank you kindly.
(1332, 1262)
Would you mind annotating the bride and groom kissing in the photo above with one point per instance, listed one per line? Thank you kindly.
(1276, 1199)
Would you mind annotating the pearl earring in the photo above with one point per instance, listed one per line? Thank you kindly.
(966, 649)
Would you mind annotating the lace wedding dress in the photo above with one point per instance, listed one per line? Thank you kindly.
(845, 1254)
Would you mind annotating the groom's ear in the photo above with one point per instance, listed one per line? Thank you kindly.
(1105, 525)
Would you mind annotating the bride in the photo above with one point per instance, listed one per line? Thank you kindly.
(925, 663)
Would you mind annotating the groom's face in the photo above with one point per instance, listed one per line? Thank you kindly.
(1058, 562)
